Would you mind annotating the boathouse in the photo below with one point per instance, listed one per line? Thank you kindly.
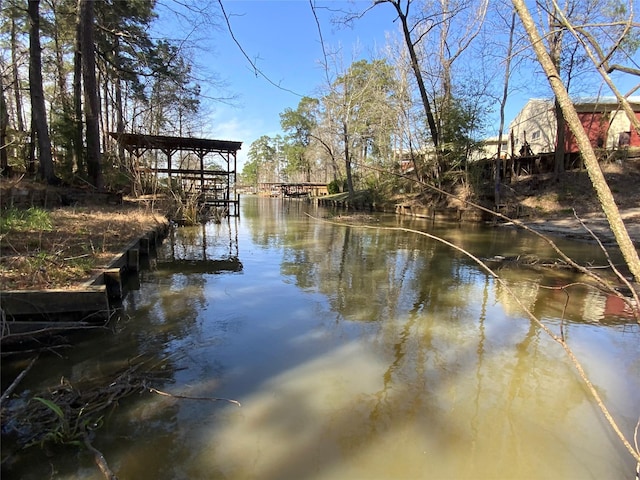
(205, 167)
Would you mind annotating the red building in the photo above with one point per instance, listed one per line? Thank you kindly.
(606, 124)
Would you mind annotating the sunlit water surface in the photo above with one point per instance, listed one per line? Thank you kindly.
(355, 353)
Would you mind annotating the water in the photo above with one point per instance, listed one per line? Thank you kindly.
(356, 353)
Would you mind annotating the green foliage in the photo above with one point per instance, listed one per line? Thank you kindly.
(62, 133)
(368, 91)
(298, 126)
(115, 176)
(462, 128)
(266, 155)
(250, 173)
(60, 431)
(262, 150)
(334, 187)
(51, 406)
(34, 218)
(144, 82)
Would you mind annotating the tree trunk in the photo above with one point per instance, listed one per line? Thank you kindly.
(4, 122)
(560, 149)
(38, 108)
(445, 72)
(347, 160)
(105, 121)
(598, 180)
(555, 54)
(91, 101)
(16, 79)
(415, 65)
(503, 104)
(119, 105)
(78, 142)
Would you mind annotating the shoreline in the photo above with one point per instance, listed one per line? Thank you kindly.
(571, 227)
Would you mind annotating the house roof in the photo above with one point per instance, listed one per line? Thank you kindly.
(584, 104)
(604, 104)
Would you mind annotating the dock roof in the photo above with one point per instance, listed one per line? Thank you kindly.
(132, 141)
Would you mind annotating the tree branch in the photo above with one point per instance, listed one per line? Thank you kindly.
(186, 397)
(255, 68)
(532, 317)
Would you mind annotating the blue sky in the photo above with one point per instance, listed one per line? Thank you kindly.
(281, 37)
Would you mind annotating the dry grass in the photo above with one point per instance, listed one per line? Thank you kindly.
(79, 242)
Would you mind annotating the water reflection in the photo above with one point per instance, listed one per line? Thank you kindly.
(360, 353)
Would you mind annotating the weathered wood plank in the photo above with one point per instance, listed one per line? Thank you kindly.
(38, 303)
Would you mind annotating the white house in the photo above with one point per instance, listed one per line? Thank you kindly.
(535, 125)
(489, 149)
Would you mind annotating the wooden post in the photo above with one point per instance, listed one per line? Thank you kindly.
(133, 260)
(145, 244)
(113, 281)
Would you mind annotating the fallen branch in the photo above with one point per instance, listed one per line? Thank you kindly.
(101, 462)
(186, 397)
(18, 379)
(634, 308)
(63, 412)
(59, 326)
(635, 453)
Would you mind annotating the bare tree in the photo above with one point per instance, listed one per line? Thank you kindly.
(619, 41)
(503, 104)
(455, 39)
(421, 27)
(591, 162)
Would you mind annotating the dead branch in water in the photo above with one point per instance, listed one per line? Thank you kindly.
(18, 379)
(635, 452)
(66, 412)
(98, 457)
(186, 397)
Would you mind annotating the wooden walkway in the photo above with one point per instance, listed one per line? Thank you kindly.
(294, 189)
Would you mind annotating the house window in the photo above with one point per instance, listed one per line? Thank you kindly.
(624, 139)
(535, 135)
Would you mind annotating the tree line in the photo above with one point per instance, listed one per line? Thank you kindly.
(423, 105)
(425, 101)
(74, 71)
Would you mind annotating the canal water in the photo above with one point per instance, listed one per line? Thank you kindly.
(354, 353)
